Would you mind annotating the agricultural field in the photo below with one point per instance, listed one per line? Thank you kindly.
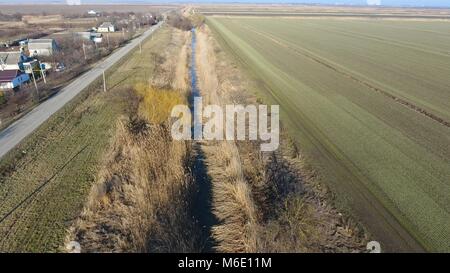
(289, 10)
(369, 103)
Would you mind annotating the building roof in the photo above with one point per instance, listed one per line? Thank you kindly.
(106, 25)
(96, 35)
(40, 43)
(10, 58)
(8, 75)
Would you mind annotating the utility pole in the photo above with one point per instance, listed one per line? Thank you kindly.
(140, 47)
(107, 38)
(35, 84)
(104, 81)
(84, 51)
(42, 73)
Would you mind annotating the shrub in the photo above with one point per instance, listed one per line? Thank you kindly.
(157, 104)
(2, 98)
(180, 22)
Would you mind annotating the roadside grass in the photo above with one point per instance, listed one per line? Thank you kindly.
(232, 200)
(389, 164)
(44, 182)
(141, 200)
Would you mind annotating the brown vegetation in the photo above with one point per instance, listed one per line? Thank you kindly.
(139, 203)
(142, 198)
(156, 103)
(233, 203)
(178, 21)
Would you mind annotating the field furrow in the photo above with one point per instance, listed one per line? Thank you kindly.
(381, 152)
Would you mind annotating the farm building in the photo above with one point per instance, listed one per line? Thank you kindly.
(106, 27)
(92, 36)
(12, 79)
(12, 60)
(42, 47)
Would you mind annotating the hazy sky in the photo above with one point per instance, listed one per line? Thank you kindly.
(352, 2)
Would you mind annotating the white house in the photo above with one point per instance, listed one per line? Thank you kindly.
(106, 27)
(92, 12)
(12, 60)
(12, 79)
(42, 47)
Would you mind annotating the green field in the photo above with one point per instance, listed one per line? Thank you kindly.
(369, 102)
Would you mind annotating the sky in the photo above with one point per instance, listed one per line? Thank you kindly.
(419, 3)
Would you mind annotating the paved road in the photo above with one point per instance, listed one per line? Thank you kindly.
(23, 127)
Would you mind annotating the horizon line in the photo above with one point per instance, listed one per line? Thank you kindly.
(220, 2)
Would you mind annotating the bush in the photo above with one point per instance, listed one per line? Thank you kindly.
(157, 104)
(2, 98)
(180, 22)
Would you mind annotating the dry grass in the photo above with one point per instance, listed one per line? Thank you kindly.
(233, 203)
(232, 200)
(181, 72)
(141, 201)
(171, 71)
(41, 19)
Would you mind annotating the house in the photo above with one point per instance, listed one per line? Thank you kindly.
(12, 60)
(106, 27)
(12, 79)
(92, 12)
(42, 47)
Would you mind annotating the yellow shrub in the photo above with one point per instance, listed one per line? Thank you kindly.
(2, 97)
(157, 104)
